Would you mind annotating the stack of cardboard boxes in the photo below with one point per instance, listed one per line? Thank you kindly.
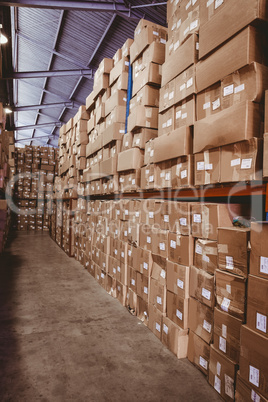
(36, 169)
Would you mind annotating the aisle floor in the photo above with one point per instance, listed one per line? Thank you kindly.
(63, 338)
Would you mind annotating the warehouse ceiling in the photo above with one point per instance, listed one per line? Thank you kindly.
(56, 46)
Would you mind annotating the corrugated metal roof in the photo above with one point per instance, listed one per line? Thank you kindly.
(80, 33)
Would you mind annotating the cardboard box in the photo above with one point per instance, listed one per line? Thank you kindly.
(202, 286)
(180, 249)
(126, 47)
(237, 123)
(163, 175)
(146, 96)
(231, 294)
(185, 84)
(178, 277)
(206, 255)
(208, 101)
(259, 252)
(177, 143)
(182, 58)
(182, 172)
(242, 161)
(166, 122)
(157, 296)
(246, 46)
(118, 115)
(151, 75)
(155, 321)
(214, 32)
(120, 67)
(201, 320)
(266, 112)
(207, 167)
(253, 359)
(175, 338)
(143, 287)
(177, 217)
(118, 99)
(198, 352)
(257, 305)
(143, 116)
(142, 311)
(167, 96)
(184, 113)
(265, 153)
(160, 242)
(177, 310)
(206, 218)
(222, 374)
(227, 334)
(130, 159)
(155, 53)
(141, 136)
(245, 392)
(233, 250)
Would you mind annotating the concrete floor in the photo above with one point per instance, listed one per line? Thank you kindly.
(63, 338)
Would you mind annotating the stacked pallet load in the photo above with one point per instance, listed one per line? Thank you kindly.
(7, 172)
(36, 168)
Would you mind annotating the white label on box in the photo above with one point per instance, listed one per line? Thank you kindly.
(126, 63)
(229, 262)
(254, 396)
(203, 363)
(126, 144)
(145, 266)
(207, 326)
(184, 116)
(149, 240)
(98, 277)
(239, 88)
(185, 32)
(216, 104)
(167, 177)
(229, 89)
(138, 140)
(118, 268)
(193, 2)
(137, 214)
(126, 211)
(261, 322)
(254, 376)
(179, 314)
(157, 327)
(193, 25)
(171, 95)
(264, 265)
(166, 95)
(209, 2)
(218, 3)
(201, 165)
(163, 274)
(129, 230)
(225, 304)
(162, 246)
(162, 174)
(206, 293)
(162, 40)
(188, 4)
(197, 45)
(208, 166)
(217, 384)
(218, 368)
(151, 215)
(102, 275)
(222, 344)
(169, 122)
(184, 174)
(155, 33)
(189, 83)
(235, 162)
(172, 244)
(206, 105)
(122, 131)
(178, 114)
(151, 153)
(165, 329)
(180, 284)
(228, 288)
(159, 300)
(151, 179)
(122, 254)
(197, 218)
(182, 87)
(176, 45)
(129, 253)
(164, 125)
(145, 289)
(166, 218)
(114, 270)
(133, 282)
(246, 163)
(198, 249)
(224, 330)
(183, 221)
(205, 258)
(229, 386)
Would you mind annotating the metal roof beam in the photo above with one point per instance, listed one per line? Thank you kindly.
(31, 139)
(37, 42)
(52, 123)
(52, 73)
(42, 106)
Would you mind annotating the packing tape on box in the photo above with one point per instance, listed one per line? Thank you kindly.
(206, 160)
(205, 221)
(223, 248)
